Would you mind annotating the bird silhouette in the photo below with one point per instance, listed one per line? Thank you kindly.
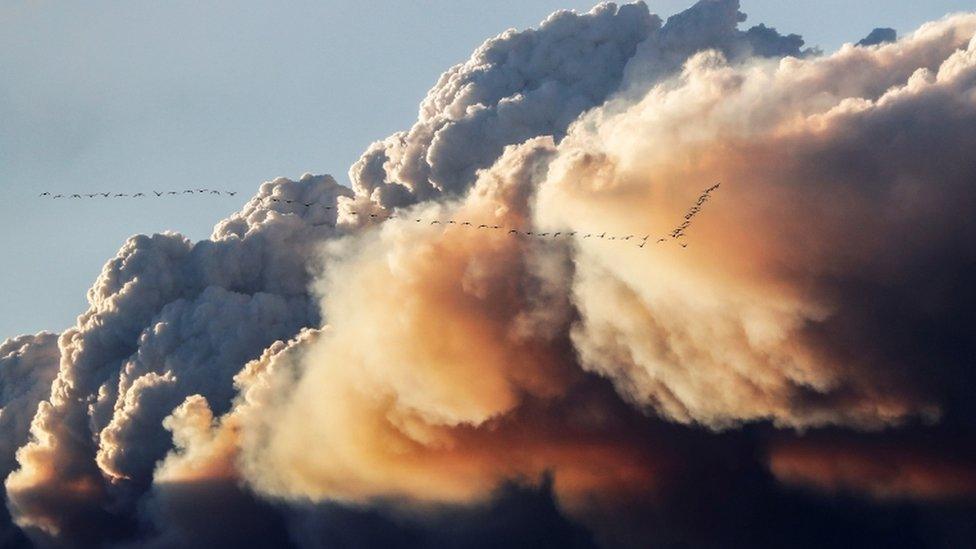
(641, 245)
(76, 196)
(90, 195)
(466, 223)
(662, 240)
(374, 216)
(201, 190)
(684, 244)
(214, 192)
(556, 234)
(513, 231)
(106, 195)
(157, 193)
(232, 193)
(603, 235)
(172, 192)
(188, 191)
(451, 222)
(44, 194)
(482, 226)
(120, 195)
(435, 222)
(308, 204)
(138, 195)
(58, 196)
(588, 235)
(542, 234)
(418, 220)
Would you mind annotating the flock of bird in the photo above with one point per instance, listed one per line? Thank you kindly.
(679, 231)
(641, 241)
(157, 194)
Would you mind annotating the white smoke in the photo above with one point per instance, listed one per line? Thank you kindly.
(524, 84)
(28, 365)
(167, 319)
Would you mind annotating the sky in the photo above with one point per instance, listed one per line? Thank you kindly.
(135, 96)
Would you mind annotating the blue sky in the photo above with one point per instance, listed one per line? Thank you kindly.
(135, 96)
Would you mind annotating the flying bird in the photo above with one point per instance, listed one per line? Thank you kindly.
(58, 196)
(482, 226)
(137, 195)
(44, 194)
(188, 191)
(556, 234)
(120, 195)
(451, 222)
(435, 222)
(172, 192)
(76, 196)
(157, 193)
(468, 223)
(106, 195)
(232, 193)
(214, 192)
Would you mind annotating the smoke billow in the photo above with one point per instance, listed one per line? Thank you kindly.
(309, 378)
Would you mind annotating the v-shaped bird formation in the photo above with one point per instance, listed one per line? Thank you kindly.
(675, 235)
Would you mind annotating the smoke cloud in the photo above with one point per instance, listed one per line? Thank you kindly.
(310, 378)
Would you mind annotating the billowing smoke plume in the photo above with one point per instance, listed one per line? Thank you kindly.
(309, 378)
(828, 213)
(28, 365)
(525, 84)
(167, 319)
